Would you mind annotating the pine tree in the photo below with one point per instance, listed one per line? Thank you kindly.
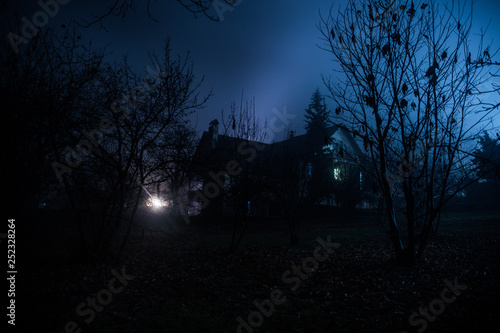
(487, 158)
(317, 115)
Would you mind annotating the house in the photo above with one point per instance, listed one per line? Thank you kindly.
(230, 173)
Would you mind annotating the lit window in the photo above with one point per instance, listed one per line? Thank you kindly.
(336, 173)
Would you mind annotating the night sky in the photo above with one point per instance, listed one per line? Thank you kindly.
(268, 49)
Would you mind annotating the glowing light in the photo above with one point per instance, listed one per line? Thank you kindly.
(336, 174)
(156, 203)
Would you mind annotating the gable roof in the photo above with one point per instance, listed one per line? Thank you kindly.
(215, 150)
(349, 139)
(301, 143)
(214, 153)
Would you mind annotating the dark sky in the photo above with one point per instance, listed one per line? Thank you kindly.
(266, 48)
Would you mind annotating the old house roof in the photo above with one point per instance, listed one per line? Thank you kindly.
(215, 150)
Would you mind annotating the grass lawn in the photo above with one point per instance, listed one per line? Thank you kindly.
(192, 284)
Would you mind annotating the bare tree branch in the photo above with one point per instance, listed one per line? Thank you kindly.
(122, 8)
(409, 88)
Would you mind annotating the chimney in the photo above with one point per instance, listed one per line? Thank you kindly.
(292, 134)
(213, 133)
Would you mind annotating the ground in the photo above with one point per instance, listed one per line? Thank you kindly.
(192, 284)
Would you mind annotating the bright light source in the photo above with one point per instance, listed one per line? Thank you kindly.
(156, 202)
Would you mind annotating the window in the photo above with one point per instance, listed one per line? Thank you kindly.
(336, 174)
(309, 169)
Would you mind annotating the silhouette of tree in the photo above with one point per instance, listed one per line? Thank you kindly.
(42, 87)
(317, 118)
(85, 129)
(346, 185)
(288, 179)
(172, 155)
(245, 190)
(483, 194)
(203, 7)
(487, 157)
(408, 89)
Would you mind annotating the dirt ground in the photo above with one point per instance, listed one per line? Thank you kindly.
(192, 283)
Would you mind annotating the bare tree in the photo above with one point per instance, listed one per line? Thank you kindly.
(407, 87)
(41, 90)
(208, 8)
(173, 155)
(105, 159)
(244, 191)
(155, 105)
(346, 184)
(289, 180)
